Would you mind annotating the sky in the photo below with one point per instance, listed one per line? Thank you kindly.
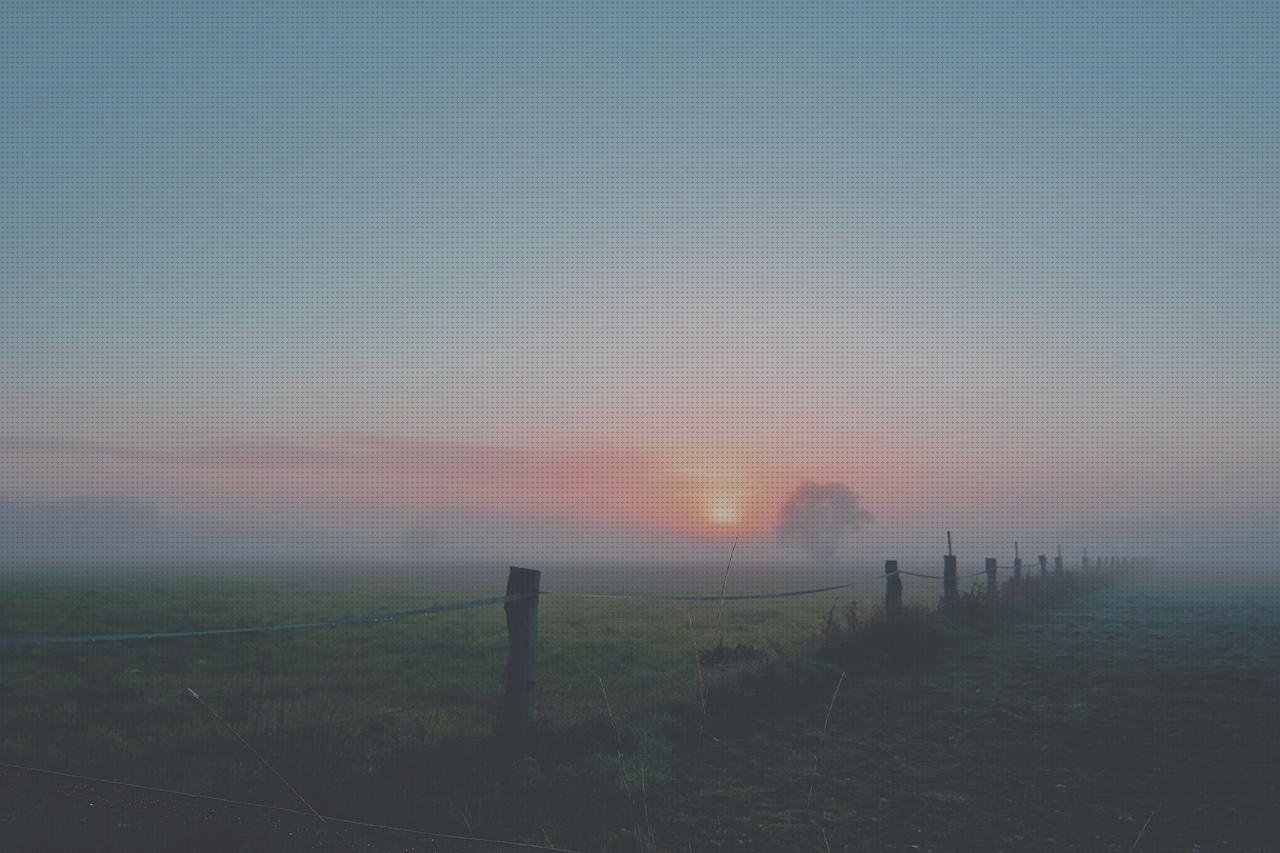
(472, 281)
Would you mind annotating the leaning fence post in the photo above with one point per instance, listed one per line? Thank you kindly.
(892, 588)
(522, 635)
(991, 577)
(950, 580)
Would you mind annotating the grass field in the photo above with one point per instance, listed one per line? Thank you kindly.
(1064, 727)
(1153, 699)
(358, 712)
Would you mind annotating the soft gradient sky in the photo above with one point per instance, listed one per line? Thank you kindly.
(644, 268)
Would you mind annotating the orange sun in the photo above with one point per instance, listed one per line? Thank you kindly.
(723, 509)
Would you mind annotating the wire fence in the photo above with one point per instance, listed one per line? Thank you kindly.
(448, 607)
(794, 593)
(524, 600)
(366, 619)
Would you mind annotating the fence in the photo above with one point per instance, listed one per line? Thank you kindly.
(522, 596)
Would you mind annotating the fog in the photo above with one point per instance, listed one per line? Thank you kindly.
(822, 526)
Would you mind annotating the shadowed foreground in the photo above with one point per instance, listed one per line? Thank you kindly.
(91, 815)
(1068, 731)
(1134, 715)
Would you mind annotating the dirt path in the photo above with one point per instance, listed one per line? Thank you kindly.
(1133, 706)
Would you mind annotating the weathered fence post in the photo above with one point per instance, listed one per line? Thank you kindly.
(991, 577)
(522, 635)
(950, 579)
(1044, 565)
(892, 588)
(1017, 565)
(1057, 562)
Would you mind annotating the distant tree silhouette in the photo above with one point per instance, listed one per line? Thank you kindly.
(818, 516)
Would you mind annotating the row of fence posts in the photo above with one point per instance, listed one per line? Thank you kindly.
(522, 622)
(951, 576)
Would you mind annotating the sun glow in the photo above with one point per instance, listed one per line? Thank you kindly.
(718, 498)
(723, 509)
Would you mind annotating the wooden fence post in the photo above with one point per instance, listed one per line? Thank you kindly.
(1017, 565)
(1057, 562)
(991, 577)
(522, 635)
(1044, 565)
(892, 588)
(950, 581)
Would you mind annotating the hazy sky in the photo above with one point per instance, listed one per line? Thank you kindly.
(644, 267)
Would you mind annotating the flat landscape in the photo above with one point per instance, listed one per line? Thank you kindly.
(1147, 703)
(317, 316)
(1136, 711)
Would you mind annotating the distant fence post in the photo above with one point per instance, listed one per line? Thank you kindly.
(1044, 565)
(892, 588)
(950, 581)
(991, 577)
(522, 635)
(1057, 564)
(1017, 570)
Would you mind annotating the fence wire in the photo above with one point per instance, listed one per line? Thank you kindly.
(704, 598)
(366, 619)
(435, 838)
(372, 618)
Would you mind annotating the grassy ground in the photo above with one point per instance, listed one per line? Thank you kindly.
(387, 722)
(1066, 727)
(1152, 700)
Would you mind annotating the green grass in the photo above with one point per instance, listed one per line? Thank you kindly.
(1063, 729)
(387, 722)
(392, 722)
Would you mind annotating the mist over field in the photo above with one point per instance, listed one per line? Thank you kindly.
(114, 533)
(488, 425)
